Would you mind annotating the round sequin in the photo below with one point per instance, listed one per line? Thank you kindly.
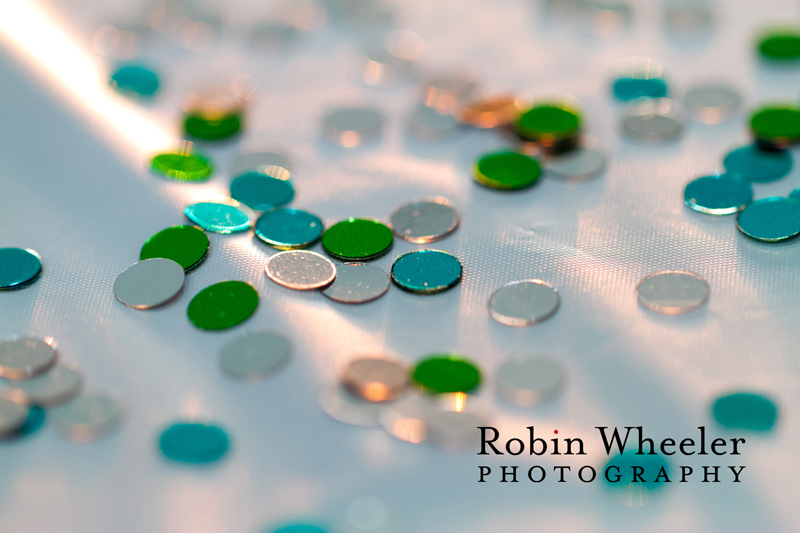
(712, 103)
(780, 45)
(357, 284)
(454, 431)
(289, 229)
(18, 267)
(186, 245)
(717, 195)
(446, 92)
(779, 125)
(299, 528)
(579, 164)
(259, 162)
(12, 416)
(182, 166)
(549, 123)
(59, 385)
(34, 421)
(490, 113)
(300, 269)
(260, 191)
(427, 124)
(357, 239)
(631, 88)
(528, 381)
(220, 217)
(745, 410)
(188, 442)
(758, 165)
(26, 357)
(446, 373)
(426, 271)
(344, 406)
(507, 170)
(88, 417)
(149, 283)
(524, 303)
(795, 195)
(135, 80)
(656, 120)
(254, 356)
(212, 127)
(673, 292)
(379, 68)
(351, 127)
(423, 221)
(223, 305)
(375, 380)
(770, 219)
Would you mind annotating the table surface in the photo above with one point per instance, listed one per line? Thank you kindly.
(76, 188)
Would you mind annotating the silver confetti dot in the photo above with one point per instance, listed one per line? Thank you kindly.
(407, 418)
(88, 417)
(455, 431)
(576, 165)
(427, 124)
(653, 120)
(528, 381)
(149, 283)
(357, 284)
(26, 357)
(12, 415)
(340, 404)
(59, 385)
(424, 221)
(375, 379)
(352, 127)
(673, 292)
(260, 162)
(712, 103)
(254, 356)
(524, 303)
(300, 270)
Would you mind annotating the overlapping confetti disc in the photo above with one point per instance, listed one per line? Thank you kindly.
(446, 373)
(555, 126)
(149, 283)
(300, 269)
(260, 191)
(181, 166)
(770, 219)
(357, 283)
(19, 267)
(26, 357)
(423, 221)
(507, 170)
(186, 245)
(289, 229)
(717, 195)
(776, 125)
(426, 271)
(357, 239)
(220, 216)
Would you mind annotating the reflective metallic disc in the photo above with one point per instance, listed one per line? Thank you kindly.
(289, 229)
(88, 417)
(712, 103)
(757, 165)
(223, 305)
(549, 123)
(795, 195)
(380, 68)
(135, 80)
(490, 113)
(228, 216)
(423, 221)
(357, 239)
(426, 271)
(446, 373)
(12, 416)
(780, 45)
(260, 191)
(18, 267)
(427, 124)
(447, 92)
(776, 125)
(208, 127)
(375, 380)
(528, 381)
(26, 357)
(631, 88)
(745, 410)
(524, 303)
(770, 219)
(34, 422)
(342, 405)
(656, 120)
(407, 418)
(149, 283)
(576, 165)
(255, 355)
(186, 245)
(300, 269)
(673, 292)
(357, 284)
(455, 431)
(59, 385)
(717, 195)
(507, 171)
(181, 166)
(191, 442)
(351, 127)
(259, 162)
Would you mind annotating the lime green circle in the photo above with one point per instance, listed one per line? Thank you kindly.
(507, 170)
(548, 122)
(186, 245)
(780, 45)
(212, 129)
(777, 124)
(357, 239)
(442, 373)
(182, 167)
(223, 305)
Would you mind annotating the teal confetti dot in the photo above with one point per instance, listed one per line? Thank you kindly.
(193, 442)
(745, 410)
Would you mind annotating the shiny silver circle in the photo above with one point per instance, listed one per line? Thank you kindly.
(357, 284)
(712, 103)
(455, 431)
(653, 120)
(407, 418)
(446, 93)
(528, 381)
(149, 283)
(26, 357)
(375, 379)
(88, 417)
(524, 303)
(300, 270)
(354, 126)
(254, 356)
(379, 68)
(59, 385)
(342, 405)
(12, 416)
(673, 292)
(579, 164)
(259, 162)
(427, 124)
(424, 221)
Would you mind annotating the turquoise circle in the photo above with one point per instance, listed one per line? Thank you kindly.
(745, 410)
(630, 88)
(795, 195)
(217, 217)
(770, 219)
(717, 195)
(298, 528)
(189, 442)
(18, 267)
(289, 229)
(261, 192)
(135, 79)
(652, 465)
(427, 271)
(751, 163)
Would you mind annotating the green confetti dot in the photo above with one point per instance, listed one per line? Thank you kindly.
(447, 373)
(507, 170)
(212, 129)
(223, 305)
(549, 123)
(745, 410)
(186, 245)
(778, 125)
(182, 167)
(780, 45)
(357, 239)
